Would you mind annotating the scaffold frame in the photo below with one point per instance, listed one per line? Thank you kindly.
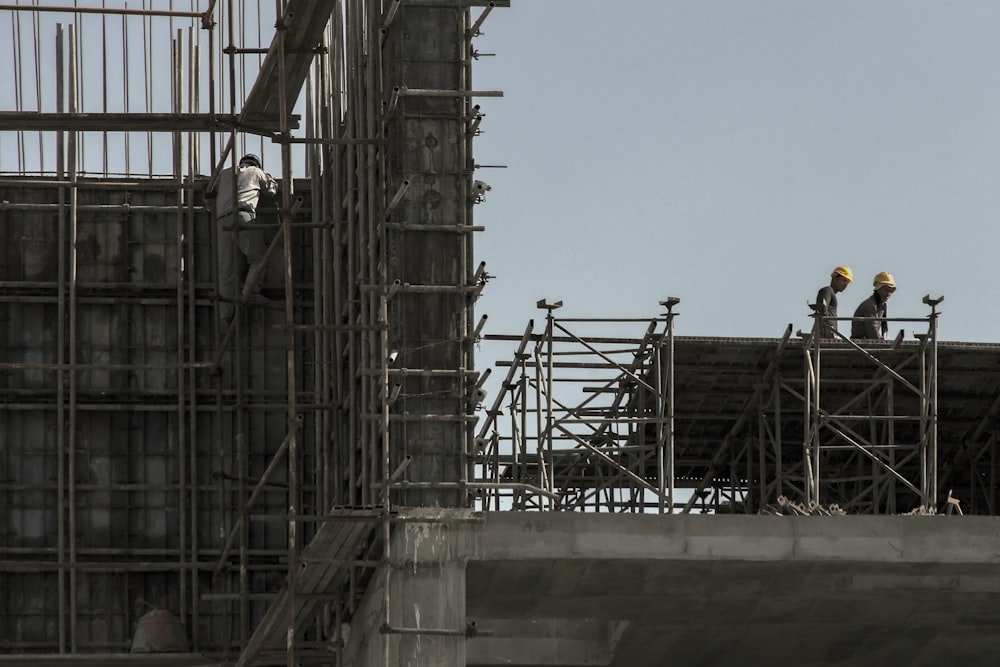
(669, 445)
(295, 422)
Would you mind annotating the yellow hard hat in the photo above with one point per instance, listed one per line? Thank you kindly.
(884, 279)
(843, 272)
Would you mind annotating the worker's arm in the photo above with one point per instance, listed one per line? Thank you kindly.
(268, 184)
(823, 301)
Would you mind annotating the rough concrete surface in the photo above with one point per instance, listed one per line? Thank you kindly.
(628, 590)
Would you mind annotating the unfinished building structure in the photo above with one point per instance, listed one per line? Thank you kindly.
(155, 456)
(316, 480)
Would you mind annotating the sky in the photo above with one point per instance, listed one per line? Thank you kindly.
(732, 153)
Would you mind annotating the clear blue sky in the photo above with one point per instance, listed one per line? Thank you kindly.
(733, 153)
(730, 153)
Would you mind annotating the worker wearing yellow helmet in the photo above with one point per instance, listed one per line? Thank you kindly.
(870, 318)
(826, 300)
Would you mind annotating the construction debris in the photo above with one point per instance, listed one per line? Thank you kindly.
(787, 507)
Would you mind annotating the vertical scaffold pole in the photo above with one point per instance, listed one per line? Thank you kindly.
(669, 426)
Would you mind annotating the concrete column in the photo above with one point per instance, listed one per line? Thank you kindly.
(426, 620)
(426, 136)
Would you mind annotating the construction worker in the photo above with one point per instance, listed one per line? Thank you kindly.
(232, 214)
(826, 300)
(870, 317)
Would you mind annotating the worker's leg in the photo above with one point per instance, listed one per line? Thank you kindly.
(253, 245)
(226, 251)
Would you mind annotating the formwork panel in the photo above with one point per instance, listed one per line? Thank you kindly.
(110, 457)
(30, 250)
(30, 610)
(105, 610)
(28, 341)
(28, 472)
(100, 244)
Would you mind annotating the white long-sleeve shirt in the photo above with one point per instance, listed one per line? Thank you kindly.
(251, 181)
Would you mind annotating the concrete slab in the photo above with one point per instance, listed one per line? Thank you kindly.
(740, 590)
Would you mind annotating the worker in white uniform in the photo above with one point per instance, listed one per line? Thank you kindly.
(233, 214)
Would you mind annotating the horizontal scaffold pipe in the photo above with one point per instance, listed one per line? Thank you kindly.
(473, 486)
(426, 289)
(135, 122)
(565, 339)
(146, 406)
(422, 418)
(103, 10)
(403, 91)
(153, 184)
(419, 227)
(104, 208)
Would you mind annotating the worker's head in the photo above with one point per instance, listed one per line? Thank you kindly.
(250, 159)
(841, 278)
(884, 284)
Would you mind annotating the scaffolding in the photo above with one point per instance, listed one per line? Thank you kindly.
(858, 427)
(612, 451)
(657, 423)
(248, 476)
(242, 475)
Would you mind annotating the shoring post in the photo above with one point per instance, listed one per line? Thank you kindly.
(291, 378)
(522, 445)
(933, 417)
(670, 406)
(923, 453)
(810, 440)
(661, 465)
(549, 368)
(177, 96)
(762, 439)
